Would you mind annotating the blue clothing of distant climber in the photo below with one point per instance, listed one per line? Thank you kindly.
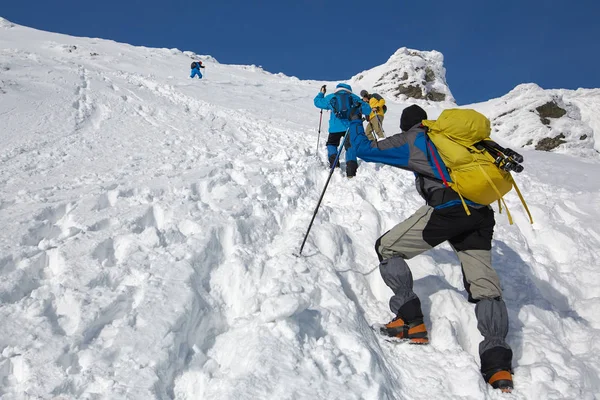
(340, 121)
(196, 65)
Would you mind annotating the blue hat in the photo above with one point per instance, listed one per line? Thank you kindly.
(344, 86)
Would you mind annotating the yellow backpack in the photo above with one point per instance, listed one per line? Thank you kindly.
(462, 139)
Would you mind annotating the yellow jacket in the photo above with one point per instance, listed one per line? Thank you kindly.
(373, 103)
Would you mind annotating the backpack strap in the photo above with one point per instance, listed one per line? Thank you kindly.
(487, 177)
(501, 199)
(439, 169)
(462, 199)
(522, 199)
(437, 163)
(510, 220)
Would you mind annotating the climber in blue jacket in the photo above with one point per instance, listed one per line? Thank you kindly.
(346, 109)
(196, 65)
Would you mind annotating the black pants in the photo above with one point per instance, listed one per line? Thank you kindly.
(333, 142)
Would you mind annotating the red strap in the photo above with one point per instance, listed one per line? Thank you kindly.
(437, 164)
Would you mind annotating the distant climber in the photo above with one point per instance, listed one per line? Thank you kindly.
(196, 65)
(375, 119)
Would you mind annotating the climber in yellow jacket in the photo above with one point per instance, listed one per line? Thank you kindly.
(378, 107)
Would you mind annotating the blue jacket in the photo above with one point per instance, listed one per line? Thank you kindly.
(413, 151)
(324, 102)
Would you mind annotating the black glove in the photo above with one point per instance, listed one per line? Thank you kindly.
(324, 89)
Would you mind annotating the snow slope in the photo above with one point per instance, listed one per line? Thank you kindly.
(148, 229)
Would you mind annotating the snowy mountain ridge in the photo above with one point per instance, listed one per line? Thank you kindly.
(149, 223)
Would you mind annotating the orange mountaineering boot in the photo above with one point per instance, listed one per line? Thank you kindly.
(501, 380)
(414, 332)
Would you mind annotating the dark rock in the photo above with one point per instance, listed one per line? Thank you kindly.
(582, 137)
(548, 144)
(410, 91)
(436, 96)
(506, 113)
(405, 76)
(429, 75)
(392, 72)
(416, 92)
(550, 110)
(529, 142)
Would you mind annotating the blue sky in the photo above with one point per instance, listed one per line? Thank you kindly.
(489, 46)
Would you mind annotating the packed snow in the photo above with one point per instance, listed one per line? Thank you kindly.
(150, 224)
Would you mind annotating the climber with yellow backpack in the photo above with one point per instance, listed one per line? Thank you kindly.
(459, 172)
(479, 167)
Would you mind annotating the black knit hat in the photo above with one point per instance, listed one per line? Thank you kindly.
(364, 93)
(412, 116)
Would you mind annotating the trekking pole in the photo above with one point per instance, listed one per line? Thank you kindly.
(373, 133)
(339, 152)
(323, 90)
(319, 135)
(380, 124)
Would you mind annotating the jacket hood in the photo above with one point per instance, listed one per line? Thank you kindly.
(343, 86)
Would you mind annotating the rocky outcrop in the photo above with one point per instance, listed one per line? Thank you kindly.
(408, 75)
(550, 110)
(557, 120)
(549, 144)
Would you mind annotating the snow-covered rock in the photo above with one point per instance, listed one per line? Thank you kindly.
(203, 58)
(559, 120)
(408, 75)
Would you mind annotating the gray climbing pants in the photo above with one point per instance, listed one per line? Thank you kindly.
(471, 239)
